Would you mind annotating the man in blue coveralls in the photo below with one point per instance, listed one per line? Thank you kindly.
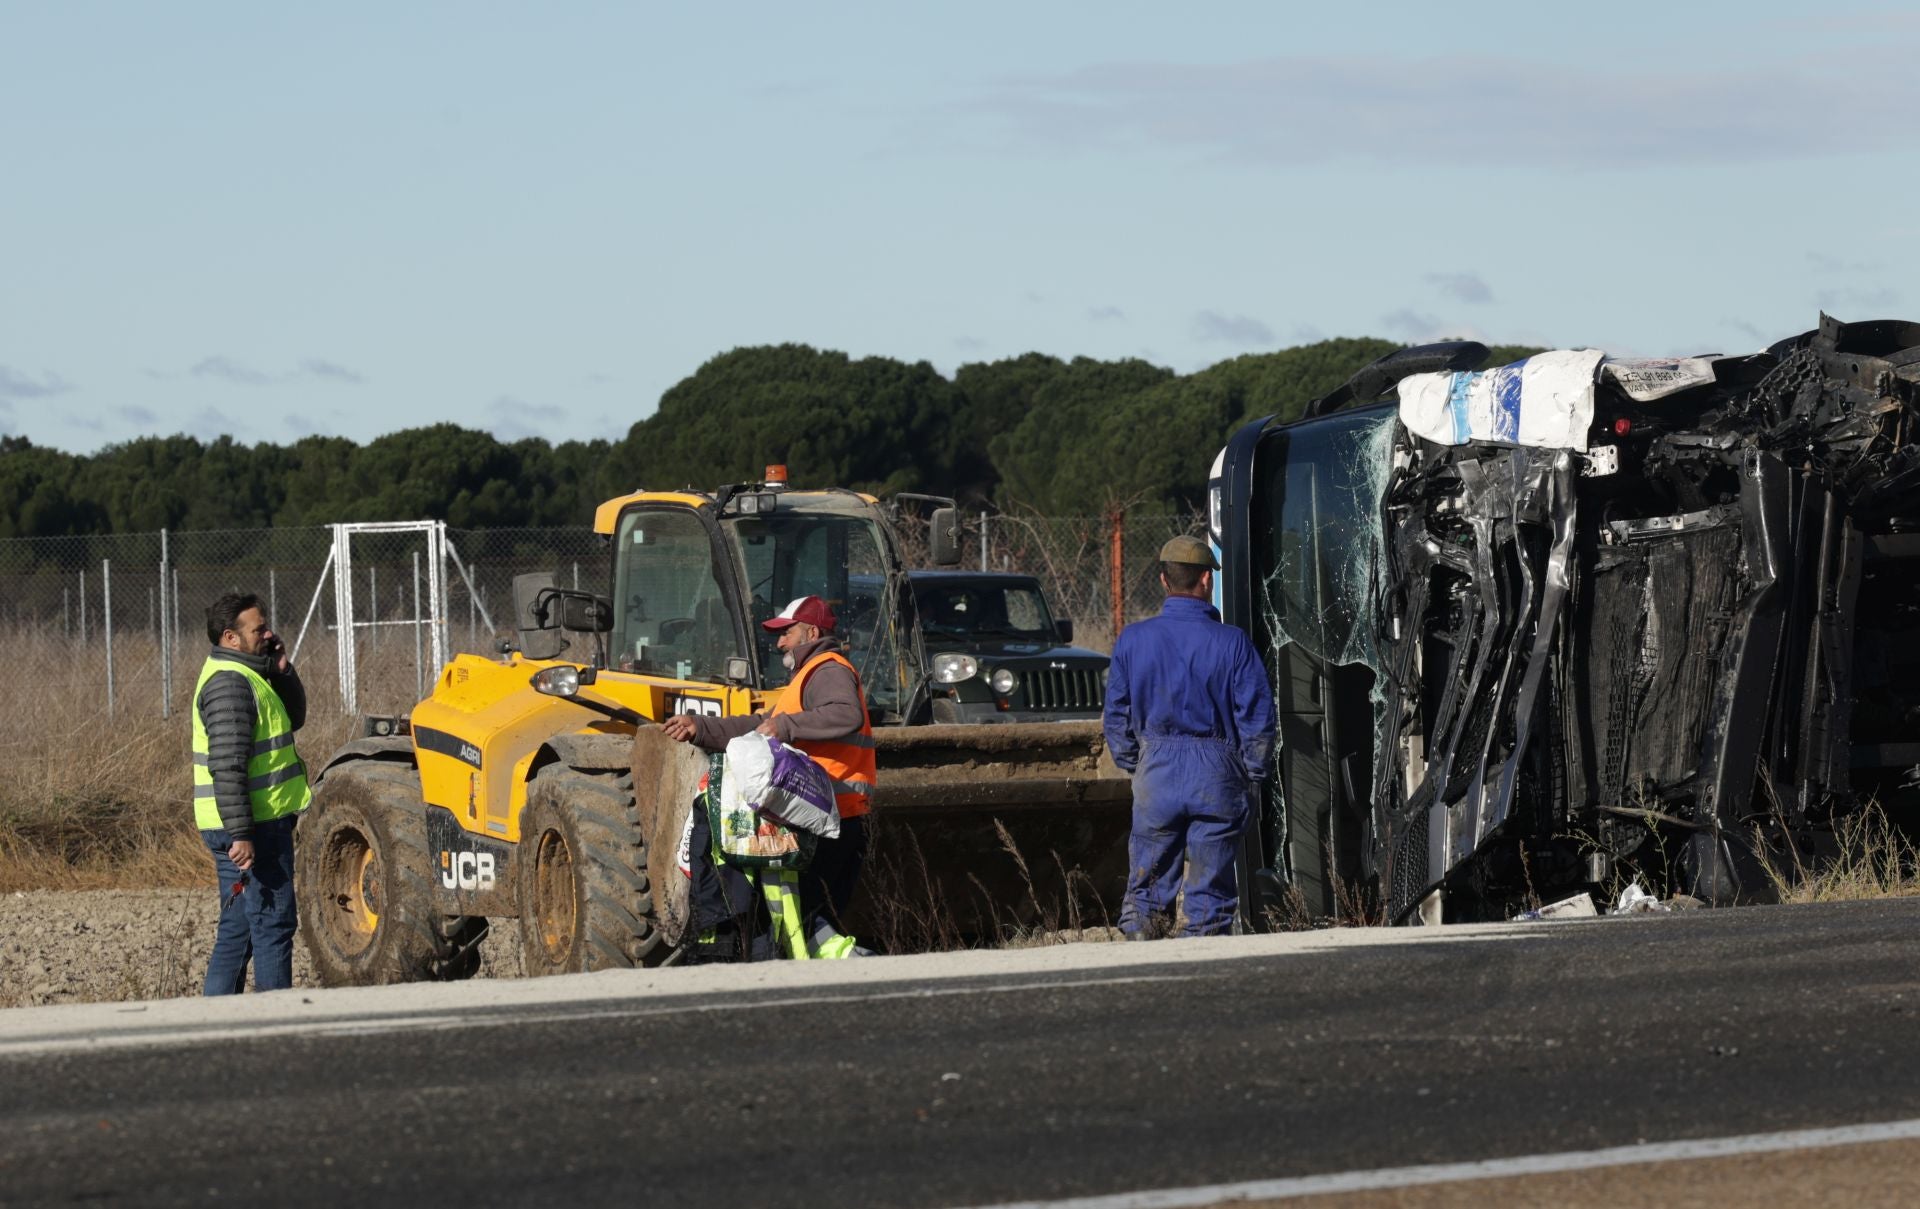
(1190, 715)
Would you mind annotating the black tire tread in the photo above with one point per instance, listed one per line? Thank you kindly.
(597, 813)
(414, 941)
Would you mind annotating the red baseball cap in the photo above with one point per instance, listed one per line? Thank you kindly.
(810, 609)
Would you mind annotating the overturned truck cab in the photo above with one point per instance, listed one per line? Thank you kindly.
(1561, 623)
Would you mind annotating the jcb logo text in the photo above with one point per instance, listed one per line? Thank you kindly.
(466, 870)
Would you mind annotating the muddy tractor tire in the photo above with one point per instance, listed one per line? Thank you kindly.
(670, 773)
(363, 876)
(582, 876)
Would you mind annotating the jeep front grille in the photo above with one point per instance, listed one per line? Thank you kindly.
(1072, 688)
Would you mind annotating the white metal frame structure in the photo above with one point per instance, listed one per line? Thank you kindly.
(340, 565)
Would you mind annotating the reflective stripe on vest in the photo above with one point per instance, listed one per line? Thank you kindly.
(276, 779)
(849, 760)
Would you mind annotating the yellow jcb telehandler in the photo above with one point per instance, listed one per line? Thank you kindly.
(537, 785)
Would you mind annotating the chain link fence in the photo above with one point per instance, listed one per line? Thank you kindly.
(119, 620)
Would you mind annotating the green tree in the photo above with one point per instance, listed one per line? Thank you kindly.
(1043, 461)
(833, 421)
(1058, 436)
(990, 397)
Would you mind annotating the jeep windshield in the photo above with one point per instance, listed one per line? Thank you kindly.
(975, 610)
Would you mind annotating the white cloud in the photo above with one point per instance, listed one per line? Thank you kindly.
(1878, 298)
(18, 386)
(1827, 262)
(1231, 329)
(1303, 110)
(210, 422)
(227, 369)
(313, 367)
(1418, 327)
(1466, 287)
(515, 419)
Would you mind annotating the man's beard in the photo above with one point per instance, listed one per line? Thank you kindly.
(786, 660)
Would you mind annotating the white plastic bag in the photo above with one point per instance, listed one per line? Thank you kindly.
(780, 783)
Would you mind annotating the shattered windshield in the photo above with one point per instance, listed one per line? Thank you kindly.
(1322, 486)
(840, 559)
(1323, 536)
(983, 610)
(1317, 547)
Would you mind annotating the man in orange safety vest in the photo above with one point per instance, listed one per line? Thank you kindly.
(823, 712)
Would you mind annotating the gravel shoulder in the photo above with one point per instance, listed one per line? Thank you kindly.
(108, 946)
(117, 946)
(114, 946)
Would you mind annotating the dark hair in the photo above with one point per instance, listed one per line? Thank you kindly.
(224, 614)
(1182, 577)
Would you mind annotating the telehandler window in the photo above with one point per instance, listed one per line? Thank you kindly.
(671, 616)
(788, 555)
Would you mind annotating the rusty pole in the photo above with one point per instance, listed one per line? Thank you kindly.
(1115, 570)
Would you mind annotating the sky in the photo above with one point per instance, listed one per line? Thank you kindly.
(268, 221)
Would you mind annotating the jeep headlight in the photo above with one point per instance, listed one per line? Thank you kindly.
(1003, 681)
(952, 668)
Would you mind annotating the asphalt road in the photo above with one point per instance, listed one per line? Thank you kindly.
(1142, 1068)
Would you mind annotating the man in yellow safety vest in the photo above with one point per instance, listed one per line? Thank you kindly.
(249, 787)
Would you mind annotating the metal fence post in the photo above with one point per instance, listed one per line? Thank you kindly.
(419, 655)
(343, 617)
(166, 636)
(106, 623)
(983, 539)
(273, 597)
(83, 608)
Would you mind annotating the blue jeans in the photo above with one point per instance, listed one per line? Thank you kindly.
(257, 924)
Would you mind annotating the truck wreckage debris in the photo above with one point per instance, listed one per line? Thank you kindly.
(1550, 626)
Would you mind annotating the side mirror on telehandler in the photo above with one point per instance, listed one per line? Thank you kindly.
(943, 537)
(539, 638)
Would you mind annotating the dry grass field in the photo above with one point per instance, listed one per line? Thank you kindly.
(94, 800)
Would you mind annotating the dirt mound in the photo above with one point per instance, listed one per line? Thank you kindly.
(110, 945)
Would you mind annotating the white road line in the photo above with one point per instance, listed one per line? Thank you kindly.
(442, 1021)
(1450, 1173)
